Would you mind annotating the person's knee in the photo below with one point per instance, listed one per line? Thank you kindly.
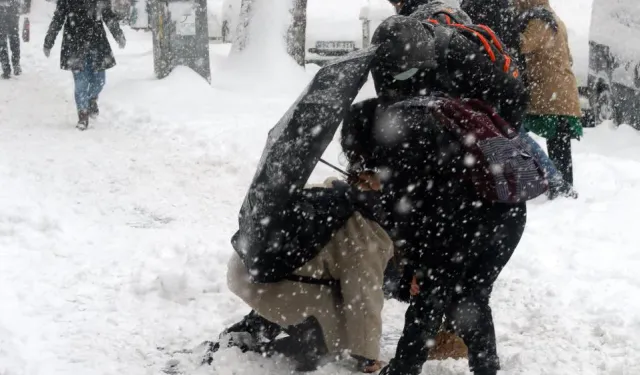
(238, 278)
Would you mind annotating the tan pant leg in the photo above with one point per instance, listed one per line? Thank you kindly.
(289, 303)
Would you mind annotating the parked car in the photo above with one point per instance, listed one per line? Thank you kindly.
(614, 62)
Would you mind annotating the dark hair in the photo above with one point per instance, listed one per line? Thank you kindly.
(356, 137)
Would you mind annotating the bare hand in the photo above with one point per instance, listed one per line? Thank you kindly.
(368, 181)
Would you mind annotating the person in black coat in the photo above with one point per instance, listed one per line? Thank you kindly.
(455, 242)
(10, 29)
(85, 48)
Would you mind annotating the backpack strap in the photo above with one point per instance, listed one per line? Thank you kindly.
(447, 16)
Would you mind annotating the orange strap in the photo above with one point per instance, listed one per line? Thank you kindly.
(494, 38)
(483, 40)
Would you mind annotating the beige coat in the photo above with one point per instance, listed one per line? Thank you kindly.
(350, 317)
(553, 86)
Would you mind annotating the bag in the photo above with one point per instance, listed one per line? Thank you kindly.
(26, 30)
(483, 36)
(497, 161)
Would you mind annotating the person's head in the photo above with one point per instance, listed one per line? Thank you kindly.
(397, 4)
(405, 59)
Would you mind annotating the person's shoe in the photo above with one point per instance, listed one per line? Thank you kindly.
(17, 70)
(564, 190)
(486, 372)
(5, 75)
(94, 111)
(83, 120)
(257, 326)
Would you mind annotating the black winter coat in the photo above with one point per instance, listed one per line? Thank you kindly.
(84, 35)
(453, 241)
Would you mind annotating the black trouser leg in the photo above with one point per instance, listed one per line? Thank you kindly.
(470, 313)
(459, 281)
(14, 40)
(559, 148)
(4, 51)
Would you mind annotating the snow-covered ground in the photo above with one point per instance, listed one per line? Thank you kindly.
(114, 241)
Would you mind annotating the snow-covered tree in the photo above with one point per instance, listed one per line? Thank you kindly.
(295, 19)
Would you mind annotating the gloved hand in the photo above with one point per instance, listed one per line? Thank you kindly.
(47, 51)
(122, 42)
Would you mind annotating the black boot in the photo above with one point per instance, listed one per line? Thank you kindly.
(17, 70)
(83, 120)
(94, 111)
(6, 75)
(564, 190)
(306, 345)
(249, 334)
(257, 326)
(485, 372)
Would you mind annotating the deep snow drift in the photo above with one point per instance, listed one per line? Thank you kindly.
(114, 241)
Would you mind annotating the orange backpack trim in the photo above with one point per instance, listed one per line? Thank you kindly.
(483, 39)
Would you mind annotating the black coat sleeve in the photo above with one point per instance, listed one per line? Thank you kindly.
(111, 20)
(300, 231)
(59, 18)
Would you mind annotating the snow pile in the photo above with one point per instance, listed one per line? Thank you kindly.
(264, 65)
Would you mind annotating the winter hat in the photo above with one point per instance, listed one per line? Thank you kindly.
(406, 54)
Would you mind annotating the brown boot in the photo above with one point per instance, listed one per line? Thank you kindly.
(83, 120)
(448, 345)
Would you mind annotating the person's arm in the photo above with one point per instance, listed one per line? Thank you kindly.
(111, 20)
(536, 37)
(59, 17)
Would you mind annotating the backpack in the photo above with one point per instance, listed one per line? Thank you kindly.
(446, 25)
(497, 162)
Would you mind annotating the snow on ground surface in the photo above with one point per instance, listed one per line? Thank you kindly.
(114, 241)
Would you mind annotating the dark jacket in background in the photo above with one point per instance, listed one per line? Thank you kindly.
(9, 30)
(499, 15)
(425, 9)
(84, 35)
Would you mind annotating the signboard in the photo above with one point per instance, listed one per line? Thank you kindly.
(183, 13)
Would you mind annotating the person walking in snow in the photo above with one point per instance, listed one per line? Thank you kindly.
(330, 303)
(554, 108)
(10, 29)
(85, 49)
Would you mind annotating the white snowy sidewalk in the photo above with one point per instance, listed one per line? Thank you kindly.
(114, 241)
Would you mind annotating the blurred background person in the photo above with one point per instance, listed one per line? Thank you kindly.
(10, 30)
(85, 49)
(554, 108)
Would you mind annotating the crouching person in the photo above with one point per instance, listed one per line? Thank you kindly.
(333, 302)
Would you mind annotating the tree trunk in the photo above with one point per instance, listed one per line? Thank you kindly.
(242, 30)
(296, 35)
